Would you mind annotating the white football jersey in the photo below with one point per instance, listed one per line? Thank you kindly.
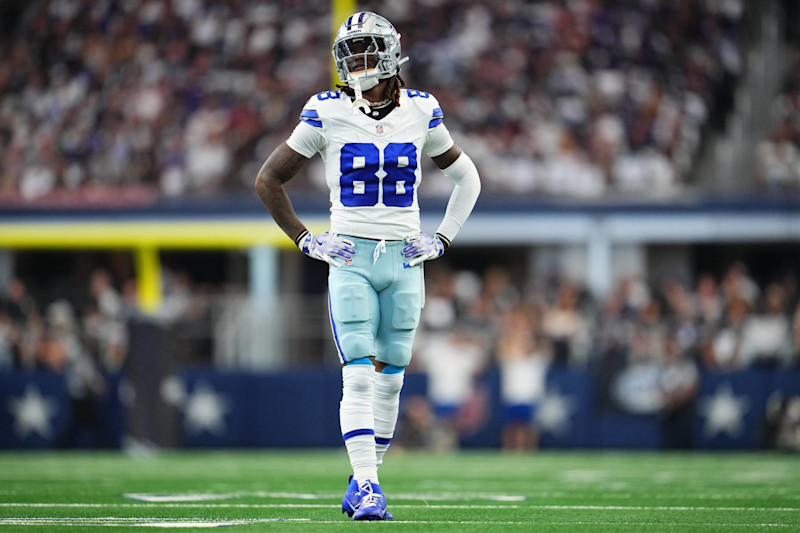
(373, 167)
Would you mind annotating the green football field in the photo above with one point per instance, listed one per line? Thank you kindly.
(301, 491)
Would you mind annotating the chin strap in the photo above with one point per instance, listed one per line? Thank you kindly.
(360, 103)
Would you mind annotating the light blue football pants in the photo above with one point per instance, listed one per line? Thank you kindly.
(375, 303)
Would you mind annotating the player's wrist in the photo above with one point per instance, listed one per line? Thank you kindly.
(445, 241)
(301, 237)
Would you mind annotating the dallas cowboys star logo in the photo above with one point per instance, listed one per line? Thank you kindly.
(724, 412)
(33, 413)
(205, 410)
(555, 411)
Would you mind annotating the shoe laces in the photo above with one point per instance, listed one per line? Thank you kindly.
(368, 496)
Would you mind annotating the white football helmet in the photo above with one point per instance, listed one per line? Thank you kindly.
(366, 50)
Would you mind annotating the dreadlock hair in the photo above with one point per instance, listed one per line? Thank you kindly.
(391, 90)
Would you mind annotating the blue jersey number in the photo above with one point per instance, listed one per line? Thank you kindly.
(359, 181)
(413, 93)
(328, 95)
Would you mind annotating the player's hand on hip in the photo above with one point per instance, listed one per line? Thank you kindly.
(421, 248)
(326, 246)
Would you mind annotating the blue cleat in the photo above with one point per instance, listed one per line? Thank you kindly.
(351, 500)
(371, 503)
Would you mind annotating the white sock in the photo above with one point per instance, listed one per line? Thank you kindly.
(385, 404)
(357, 423)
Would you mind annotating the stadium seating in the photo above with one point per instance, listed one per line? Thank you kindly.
(185, 99)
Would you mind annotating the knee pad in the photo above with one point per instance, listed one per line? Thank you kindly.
(355, 346)
(358, 379)
(397, 353)
(389, 385)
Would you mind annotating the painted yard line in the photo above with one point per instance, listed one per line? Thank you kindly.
(143, 522)
(399, 506)
(103, 519)
(176, 523)
(191, 497)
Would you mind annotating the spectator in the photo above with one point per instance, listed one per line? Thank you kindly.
(725, 350)
(105, 322)
(523, 367)
(679, 384)
(23, 329)
(452, 360)
(779, 161)
(766, 337)
(563, 324)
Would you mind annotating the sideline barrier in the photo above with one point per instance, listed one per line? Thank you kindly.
(300, 409)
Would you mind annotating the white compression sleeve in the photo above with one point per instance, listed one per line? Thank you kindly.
(385, 405)
(357, 422)
(468, 186)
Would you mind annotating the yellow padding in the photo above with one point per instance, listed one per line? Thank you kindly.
(157, 234)
(148, 278)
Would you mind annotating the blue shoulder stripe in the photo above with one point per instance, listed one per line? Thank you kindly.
(435, 122)
(309, 115)
(437, 113)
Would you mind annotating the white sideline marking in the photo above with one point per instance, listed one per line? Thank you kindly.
(196, 497)
(402, 506)
(162, 498)
(141, 522)
(197, 523)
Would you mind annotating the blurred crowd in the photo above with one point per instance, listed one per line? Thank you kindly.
(84, 332)
(185, 97)
(645, 345)
(660, 336)
(576, 98)
(64, 335)
(174, 98)
(778, 157)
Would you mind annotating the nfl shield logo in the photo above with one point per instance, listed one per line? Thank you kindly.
(378, 128)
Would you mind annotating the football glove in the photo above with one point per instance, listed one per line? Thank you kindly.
(324, 246)
(423, 247)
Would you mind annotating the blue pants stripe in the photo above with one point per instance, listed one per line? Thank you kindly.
(333, 328)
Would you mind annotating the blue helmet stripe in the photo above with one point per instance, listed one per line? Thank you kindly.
(349, 22)
(361, 18)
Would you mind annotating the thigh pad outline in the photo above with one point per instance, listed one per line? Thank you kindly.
(350, 303)
(406, 310)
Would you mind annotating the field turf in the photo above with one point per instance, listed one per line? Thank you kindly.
(301, 491)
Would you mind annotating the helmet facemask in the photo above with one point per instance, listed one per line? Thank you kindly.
(366, 51)
(360, 59)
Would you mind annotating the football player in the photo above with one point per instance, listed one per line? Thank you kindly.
(371, 135)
